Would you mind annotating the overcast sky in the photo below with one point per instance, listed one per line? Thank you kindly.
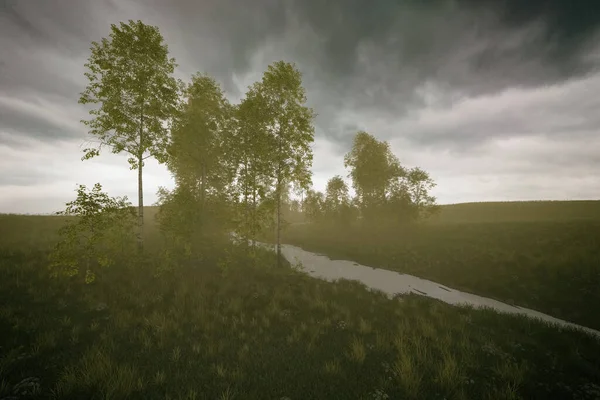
(498, 100)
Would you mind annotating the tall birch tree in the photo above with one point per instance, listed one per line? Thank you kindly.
(130, 77)
(279, 108)
(198, 153)
(250, 146)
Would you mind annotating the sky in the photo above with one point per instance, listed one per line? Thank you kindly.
(496, 99)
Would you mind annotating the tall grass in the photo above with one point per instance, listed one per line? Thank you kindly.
(259, 332)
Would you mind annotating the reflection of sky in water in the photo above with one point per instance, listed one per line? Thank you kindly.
(392, 283)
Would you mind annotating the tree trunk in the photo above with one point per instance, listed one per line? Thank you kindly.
(278, 190)
(254, 213)
(246, 217)
(278, 226)
(278, 221)
(140, 206)
(140, 155)
(202, 196)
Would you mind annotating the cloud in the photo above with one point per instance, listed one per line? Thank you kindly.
(496, 99)
(39, 175)
(39, 118)
(467, 123)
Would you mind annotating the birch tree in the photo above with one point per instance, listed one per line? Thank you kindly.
(385, 190)
(278, 107)
(373, 169)
(198, 153)
(313, 205)
(250, 146)
(336, 192)
(130, 77)
(337, 200)
(418, 184)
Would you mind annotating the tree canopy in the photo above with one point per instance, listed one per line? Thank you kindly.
(130, 77)
(236, 166)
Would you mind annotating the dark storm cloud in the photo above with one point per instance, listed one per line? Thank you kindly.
(454, 81)
(378, 55)
(67, 26)
(423, 34)
(44, 46)
(217, 37)
(38, 118)
(354, 54)
(559, 112)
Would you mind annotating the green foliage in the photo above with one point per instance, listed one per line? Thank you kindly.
(100, 232)
(313, 206)
(252, 184)
(336, 192)
(203, 168)
(418, 185)
(188, 232)
(337, 206)
(282, 112)
(198, 151)
(373, 167)
(386, 192)
(275, 114)
(130, 75)
(178, 218)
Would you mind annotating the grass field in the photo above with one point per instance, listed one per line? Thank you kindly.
(232, 328)
(519, 211)
(551, 265)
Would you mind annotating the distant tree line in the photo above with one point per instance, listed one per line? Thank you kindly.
(386, 192)
(236, 166)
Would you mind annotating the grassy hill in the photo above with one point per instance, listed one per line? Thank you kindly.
(514, 211)
(41, 231)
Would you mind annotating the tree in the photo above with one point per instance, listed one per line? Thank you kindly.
(313, 205)
(337, 200)
(130, 76)
(100, 232)
(249, 145)
(399, 208)
(336, 192)
(418, 184)
(278, 108)
(386, 192)
(373, 170)
(198, 151)
(294, 206)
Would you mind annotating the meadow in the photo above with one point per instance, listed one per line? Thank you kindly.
(539, 255)
(231, 327)
(518, 211)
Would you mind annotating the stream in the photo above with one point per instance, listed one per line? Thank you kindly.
(391, 283)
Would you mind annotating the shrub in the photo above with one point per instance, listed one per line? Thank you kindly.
(101, 232)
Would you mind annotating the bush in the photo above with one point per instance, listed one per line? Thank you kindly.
(101, 233)
(189, 228)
